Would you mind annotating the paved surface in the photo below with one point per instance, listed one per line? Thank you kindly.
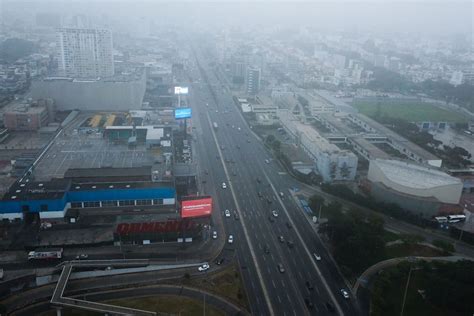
(286, 291)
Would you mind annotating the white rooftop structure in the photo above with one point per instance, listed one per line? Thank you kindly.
(415, 180)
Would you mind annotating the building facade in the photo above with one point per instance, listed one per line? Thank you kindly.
(252, 80)
(85, 53)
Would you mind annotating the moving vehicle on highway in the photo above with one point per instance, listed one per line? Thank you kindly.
(275, 213)
(227, 213)
(215, 124)
(204, 267)
(214, 235)
(46, 254)
(281, 268)
(344, 293)
(224, 186)
(317, 257)
(230, 240)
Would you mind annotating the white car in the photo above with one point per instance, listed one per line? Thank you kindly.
(227, 213)
(204, 267)
(231, 239)
(267, 161)
(344, 293)
(238, 128)
(214, 235)
(224, 186)
(275, 213)
(317, 257)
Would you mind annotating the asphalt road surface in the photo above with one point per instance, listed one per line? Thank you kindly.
(232, 154)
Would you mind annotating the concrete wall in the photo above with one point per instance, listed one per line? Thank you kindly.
(99, 95)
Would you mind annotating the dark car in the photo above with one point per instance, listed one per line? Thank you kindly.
(281, 239)
(269, 201)
(288, 225)
(236, 216)
(266, 249)
(330, 308)
(280, 268)
(290, 244)
(258, 180)
(308, 303)
(260, 195)
(271, 219)
(219, 261)
(309, 286)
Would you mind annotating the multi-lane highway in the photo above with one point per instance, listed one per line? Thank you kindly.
(232, 154)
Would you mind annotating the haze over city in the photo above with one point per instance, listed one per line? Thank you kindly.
(236, 157)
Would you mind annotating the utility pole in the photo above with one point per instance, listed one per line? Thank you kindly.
(411, 260)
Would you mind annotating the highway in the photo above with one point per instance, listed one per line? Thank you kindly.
(231, 154)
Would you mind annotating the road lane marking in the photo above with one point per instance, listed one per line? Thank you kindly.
(252, 251)
(309, 254)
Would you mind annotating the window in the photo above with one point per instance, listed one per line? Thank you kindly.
(143, 202)
(126, 203)
(92, 204)
(158, 202)
(76, 204)
(109, 203)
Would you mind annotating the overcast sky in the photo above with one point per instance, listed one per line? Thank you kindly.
(417, 16)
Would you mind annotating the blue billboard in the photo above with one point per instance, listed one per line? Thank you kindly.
(182, 113)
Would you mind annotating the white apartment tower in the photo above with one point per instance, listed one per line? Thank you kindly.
(85, 53)
(253, 80)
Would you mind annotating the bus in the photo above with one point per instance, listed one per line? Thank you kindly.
(46, 254)
(456, 218)
(441, 219)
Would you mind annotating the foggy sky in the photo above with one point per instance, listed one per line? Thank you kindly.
(420, 16)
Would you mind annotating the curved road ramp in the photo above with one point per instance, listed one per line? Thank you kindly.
(59, 301)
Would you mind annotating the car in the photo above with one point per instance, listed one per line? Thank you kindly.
(308, 303)
(234, 173)
(204, 267)
(230, 240)
(260, 194)
(344, 293)
(309, 286)
(267, 161)
(238, 128)
(214, 235)
(290, 244)
(248, 140)
(271, 219)
(288, 225)
(269, 201)
(317, 257)
(280, 268)
(82, 256)
(281, 239)
(236, 216)
(266, 249)
(109, 268)
(275, 213)
(224, 186)
(282, 195)
(258, 180)
(219, 261)
(233, 126)
(227, 213)
(206, 172)
(330, 307)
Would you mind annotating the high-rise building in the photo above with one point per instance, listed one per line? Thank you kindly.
(85, 53)
(252, 81)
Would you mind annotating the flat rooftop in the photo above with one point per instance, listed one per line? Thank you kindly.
(107, 172)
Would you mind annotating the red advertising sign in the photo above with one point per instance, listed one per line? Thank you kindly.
(155, 227)
(196, 207)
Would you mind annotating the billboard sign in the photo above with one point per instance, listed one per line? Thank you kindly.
(181, 90)
(196, 207)
(182, 113)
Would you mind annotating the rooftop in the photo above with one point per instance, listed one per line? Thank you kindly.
(413, 175)
(77, 173)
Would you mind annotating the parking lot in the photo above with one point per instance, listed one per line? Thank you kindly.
(83, 150)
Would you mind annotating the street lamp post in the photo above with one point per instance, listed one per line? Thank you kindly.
(411, 260)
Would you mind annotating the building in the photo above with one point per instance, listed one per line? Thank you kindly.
(414, 187)
(85, 53)
(237, 69)
(29, 116)
(252, 80)
(457, 78)
(118, 93)
(330, 162)
(57, 197)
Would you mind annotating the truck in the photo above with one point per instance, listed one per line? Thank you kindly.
(215, 125)
(46, 254)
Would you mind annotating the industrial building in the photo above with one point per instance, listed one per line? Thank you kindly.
(414, 187)
(118, 93)
(331, 162)
(114, 188)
